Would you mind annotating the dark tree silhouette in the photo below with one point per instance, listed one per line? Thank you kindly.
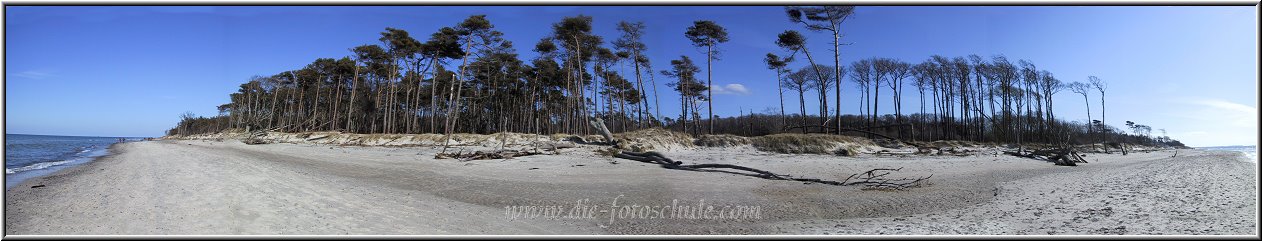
(707, 34)
(382, 88)
(631, 42)
(826, 18)
(1101, 86)
(778, 64)
(1082, 89)
(801, 81)
(690, 90)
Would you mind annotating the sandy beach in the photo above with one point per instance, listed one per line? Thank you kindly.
(226, 187)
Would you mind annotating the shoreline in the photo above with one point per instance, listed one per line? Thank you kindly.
(279, 188)
(21, 178)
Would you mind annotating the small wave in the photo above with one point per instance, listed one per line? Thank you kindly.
(35, 166)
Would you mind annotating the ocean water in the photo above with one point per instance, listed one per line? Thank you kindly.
(27, 156)
(1249, 151)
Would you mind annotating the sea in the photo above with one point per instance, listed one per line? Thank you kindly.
(1249, 151)
(28, 156)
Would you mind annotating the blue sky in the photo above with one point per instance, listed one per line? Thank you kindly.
(130, 71)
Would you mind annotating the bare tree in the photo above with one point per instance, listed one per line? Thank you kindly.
(980, 84)
(1101, 86)
(821, 84)
(1083, 89)
(1050, 86)
(794, 42)
(863, 73)
(923, 80)
(801, 82)
(826, 18)
(898, 71)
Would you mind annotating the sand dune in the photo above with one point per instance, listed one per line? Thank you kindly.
(226, 187)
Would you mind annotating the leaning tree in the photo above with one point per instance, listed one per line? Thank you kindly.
(826, 18)
(794, 42)
(1101, 86)
(1083, 89)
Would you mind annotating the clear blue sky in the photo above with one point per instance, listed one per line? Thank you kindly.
(130, 71)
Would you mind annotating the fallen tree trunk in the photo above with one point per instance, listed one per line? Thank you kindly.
(553, 146)
(255, 137)
(1062, 156)
(483, 155)
(870, 179)
(599, 124)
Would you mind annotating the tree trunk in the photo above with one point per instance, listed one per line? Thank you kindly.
(783, 120)
(802, 105)
(350, 110)
(1102, 109)
(837, 75)
(657, 106)
(453, 112)
(876, 102)
(1084, 100)
(709, 79)
(683, 116)
(643, 97)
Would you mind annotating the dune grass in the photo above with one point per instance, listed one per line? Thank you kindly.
(721, 140)
(811, 144)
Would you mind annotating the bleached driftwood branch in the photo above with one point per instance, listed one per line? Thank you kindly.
(870, 179)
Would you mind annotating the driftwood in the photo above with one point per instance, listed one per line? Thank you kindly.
(599, 124)
(254, 137)
(554, 146)
(318, 138)
(254, 141)
(1062, 156)
(484, 155)
(872, 179)
(539, 149)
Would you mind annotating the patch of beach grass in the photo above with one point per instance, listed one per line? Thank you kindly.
(722, 140)
(812, 144)
(653, 139)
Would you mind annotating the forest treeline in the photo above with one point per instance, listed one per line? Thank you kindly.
(467, 79)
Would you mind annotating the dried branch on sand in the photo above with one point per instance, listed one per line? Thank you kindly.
(1062, 156)
(255, 137)
(540, 148)
(483, 155)
(872, 179)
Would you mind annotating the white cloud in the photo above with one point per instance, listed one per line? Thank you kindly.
(1230, 113)
(730, 89)
(33, 74)
(1212, 122)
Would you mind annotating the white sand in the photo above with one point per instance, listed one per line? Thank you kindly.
(210, 187)
(1200, 193)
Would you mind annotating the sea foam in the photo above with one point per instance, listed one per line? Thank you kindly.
(36, 166)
